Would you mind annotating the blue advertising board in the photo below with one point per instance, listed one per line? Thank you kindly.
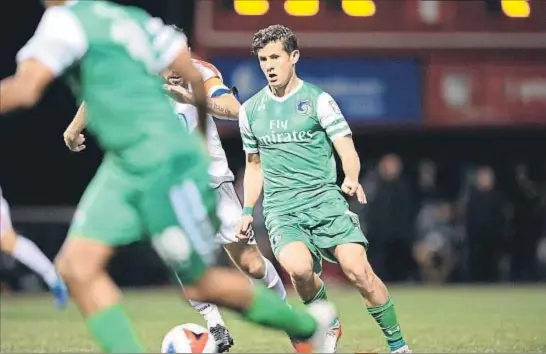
(367, 90)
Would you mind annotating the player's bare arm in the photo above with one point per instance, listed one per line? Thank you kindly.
(252, 185)
(350, 162)
(26, 87)
(73, 137)
(225, 106)
(183, 66)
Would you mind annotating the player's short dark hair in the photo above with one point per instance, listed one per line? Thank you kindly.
(275, 33)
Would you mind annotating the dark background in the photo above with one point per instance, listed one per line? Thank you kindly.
(40, 177)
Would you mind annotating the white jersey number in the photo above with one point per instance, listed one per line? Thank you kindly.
(138, 41)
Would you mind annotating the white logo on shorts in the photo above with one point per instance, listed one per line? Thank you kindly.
(275, 239)
(354, 218)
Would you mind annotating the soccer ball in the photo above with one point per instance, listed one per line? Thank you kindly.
(188, 338)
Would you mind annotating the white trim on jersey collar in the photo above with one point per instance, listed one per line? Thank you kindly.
(285, 97)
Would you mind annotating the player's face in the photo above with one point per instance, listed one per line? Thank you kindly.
(172, 78)
(277, 65)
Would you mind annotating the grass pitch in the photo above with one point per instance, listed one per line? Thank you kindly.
(449, 319)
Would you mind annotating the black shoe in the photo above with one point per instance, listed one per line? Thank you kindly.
(222, 337)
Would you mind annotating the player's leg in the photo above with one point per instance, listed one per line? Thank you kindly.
(338, 233)
(103, 220)
(182, 218)
(215, 322)
(26, 252)
(250, 260)
(290, 242)
(291, 246)
(246, 256)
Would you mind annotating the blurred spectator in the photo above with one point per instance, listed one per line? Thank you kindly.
(436, 249)
(528, 222)
(485, 226)
(390, 222)
(427, 181)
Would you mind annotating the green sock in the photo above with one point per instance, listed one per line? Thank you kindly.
(113, 331)
(320, 295)
(268, 309)
(385, 316)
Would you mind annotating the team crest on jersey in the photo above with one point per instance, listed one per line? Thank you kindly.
(334, 106)
(304, 107)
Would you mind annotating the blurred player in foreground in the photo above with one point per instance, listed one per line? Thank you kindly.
(153, 179)
(222, 104)
(288, 129)
(26, 252)
(247, 257)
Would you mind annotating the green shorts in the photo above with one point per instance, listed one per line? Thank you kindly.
(172, 206)
(321, 227)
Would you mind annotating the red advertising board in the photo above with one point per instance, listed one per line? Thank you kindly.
(474, 93)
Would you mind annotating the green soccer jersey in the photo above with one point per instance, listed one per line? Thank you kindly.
(293, 135)
(112, 56)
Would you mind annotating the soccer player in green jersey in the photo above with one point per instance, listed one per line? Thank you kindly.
(154, 176)
(289, 131)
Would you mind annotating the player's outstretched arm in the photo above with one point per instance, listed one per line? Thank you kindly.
(57, 43)
(225, 106)
(73, 138)
(184, 67)
(26, 87)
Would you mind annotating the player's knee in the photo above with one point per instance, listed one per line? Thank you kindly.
(69, 268)
(300, 272)
(247, 258)
(360, 273)
(297, 261)
(252, 264)
(75, 265)
(255, 268)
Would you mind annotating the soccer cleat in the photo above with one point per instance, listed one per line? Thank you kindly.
(404, 349)
(60, 293)
(324, 314)
(222, 337)
(332, 337)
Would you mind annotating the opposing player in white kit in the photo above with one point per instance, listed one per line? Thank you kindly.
(247, 256)
(26, 252)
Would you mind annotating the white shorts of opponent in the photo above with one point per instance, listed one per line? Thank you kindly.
(229, 211)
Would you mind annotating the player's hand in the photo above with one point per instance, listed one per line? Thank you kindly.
(179, 93)
(244, 231)
(352, 188)
(75, 142)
